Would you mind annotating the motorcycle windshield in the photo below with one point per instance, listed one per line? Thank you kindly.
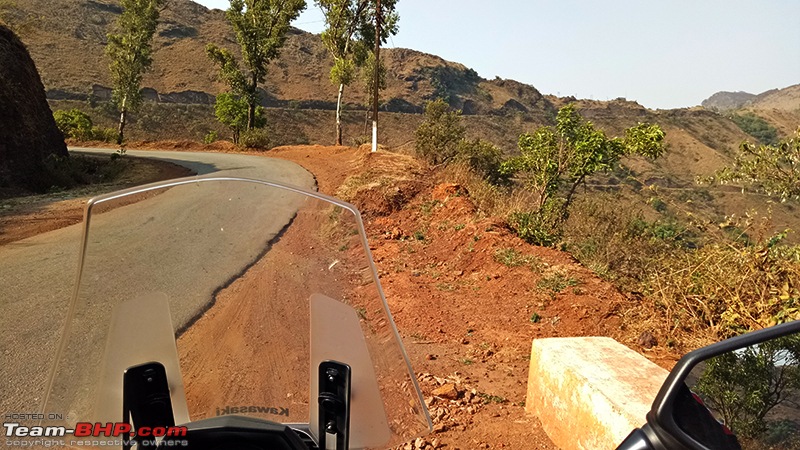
(240, 289)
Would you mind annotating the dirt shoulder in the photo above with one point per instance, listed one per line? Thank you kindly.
(468, 296)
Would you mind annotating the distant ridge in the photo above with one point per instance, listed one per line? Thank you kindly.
(724, 100)
(786, 99)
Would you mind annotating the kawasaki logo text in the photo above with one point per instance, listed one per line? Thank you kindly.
(253, 409)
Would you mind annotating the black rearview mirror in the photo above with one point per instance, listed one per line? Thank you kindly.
(753, 393)
(742, 393)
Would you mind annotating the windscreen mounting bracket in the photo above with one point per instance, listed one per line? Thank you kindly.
(334, 403)
(146, 400)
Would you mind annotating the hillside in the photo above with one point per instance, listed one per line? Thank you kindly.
(67, 41)
(786, 99)
(724, 100)
(779, 107)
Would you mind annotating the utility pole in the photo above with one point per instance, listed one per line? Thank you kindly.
(377, 76)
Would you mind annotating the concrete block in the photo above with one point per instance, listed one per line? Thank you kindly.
(590, 392)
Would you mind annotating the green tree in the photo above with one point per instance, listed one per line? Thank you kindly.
(440, 139)
(130, 52)
(483, 157)
(556, 160)
(232, 111)
(349, 34)
(773, 169)
(440, 134)
(744, 386)
(260, 27)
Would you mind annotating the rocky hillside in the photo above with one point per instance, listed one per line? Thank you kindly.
(786, 99)
(724, 100)
(28, 134)
(779, 107)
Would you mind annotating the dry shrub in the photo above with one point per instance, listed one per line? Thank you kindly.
(491, 199)
(699, 288)
(728, 288)
(612, 237)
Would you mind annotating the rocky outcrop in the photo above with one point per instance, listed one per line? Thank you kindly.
(724, 101)
(190, 97)
(28, 135)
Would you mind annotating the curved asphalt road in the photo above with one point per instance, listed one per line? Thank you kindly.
(37, 274)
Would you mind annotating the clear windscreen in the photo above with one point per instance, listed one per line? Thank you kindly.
(240, 289)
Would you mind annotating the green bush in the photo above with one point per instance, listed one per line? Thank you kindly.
(541, 227)
(74, 124)
(439, 136)
(104, 134)
(210, 137)
(440, 140)
(483, 158)
(232, 110)
(257, 138)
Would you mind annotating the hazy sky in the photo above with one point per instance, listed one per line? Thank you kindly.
(663, 54)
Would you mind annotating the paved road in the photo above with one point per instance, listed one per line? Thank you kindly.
(37, 274)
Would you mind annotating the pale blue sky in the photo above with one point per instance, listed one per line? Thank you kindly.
(663, 54)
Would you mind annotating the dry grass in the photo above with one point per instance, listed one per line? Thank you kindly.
(728, 289)
(383, 181)
(607, 234)
(491, 200)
